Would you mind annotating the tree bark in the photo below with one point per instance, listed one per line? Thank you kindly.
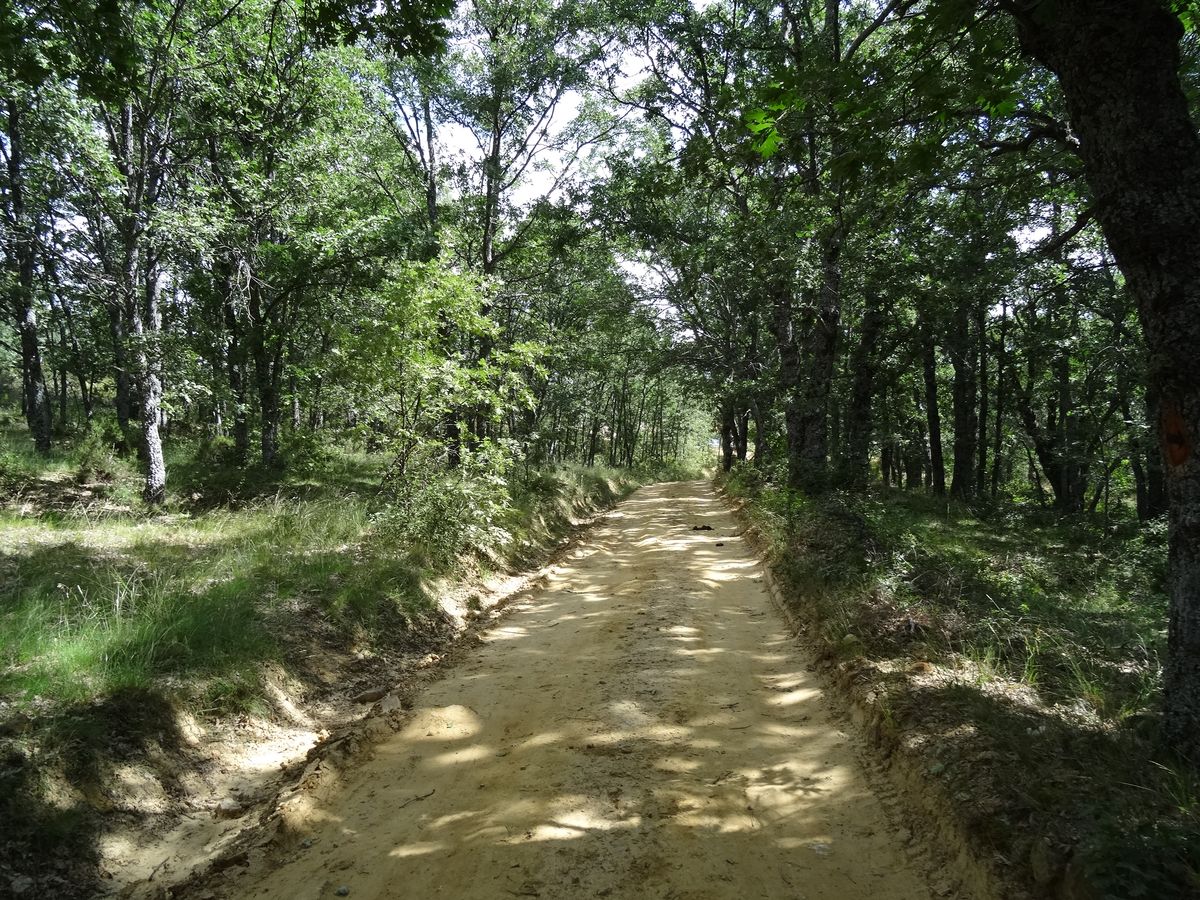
(789, 376)
(123, 383)
(820, 353)
(266, 372)
(235, 357)
(727, 436)
(981, 447)
(1001, 369)
(761, 448)
(146, 326)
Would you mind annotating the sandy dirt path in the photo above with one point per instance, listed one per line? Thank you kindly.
(641, 727)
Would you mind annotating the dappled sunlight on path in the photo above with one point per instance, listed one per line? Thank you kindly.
(643, 726)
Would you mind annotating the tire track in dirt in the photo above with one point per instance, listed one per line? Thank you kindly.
(642, 727)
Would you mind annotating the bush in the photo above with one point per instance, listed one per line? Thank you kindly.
(13, 472)
(217, 452)
(305, 452)
(95, 458)
(439, 517)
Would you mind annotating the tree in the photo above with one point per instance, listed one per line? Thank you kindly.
(1118, 64)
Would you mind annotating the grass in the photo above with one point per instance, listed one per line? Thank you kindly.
(104, 595)
(1075, 612)
(100, 605)
(201, 595)
(1043, 641)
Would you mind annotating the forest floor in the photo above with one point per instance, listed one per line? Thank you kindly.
(642, 725)
(1005, 663)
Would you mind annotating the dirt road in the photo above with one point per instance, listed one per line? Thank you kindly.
(642, 727)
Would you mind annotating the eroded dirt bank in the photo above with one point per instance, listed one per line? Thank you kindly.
(643, 726)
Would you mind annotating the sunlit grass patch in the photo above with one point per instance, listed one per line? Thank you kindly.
(118, 602)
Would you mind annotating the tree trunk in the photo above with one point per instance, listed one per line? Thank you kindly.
(742, 423)
(1118, 63)
(962, 353)
(123, 399)
(981, 333)
(70, 336)
(1156, 480)
(235, 358)
(937, 464)
(38, 412)
(885, 463)
(860, 426)
(820, 353)
(266, 372)
(727, 441)
(146, 326)
(998, 432)
(789, 375)
(294, 392)
(761, 450)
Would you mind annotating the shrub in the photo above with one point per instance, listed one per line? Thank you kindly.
(217, 452)
(95, 459)
(305, 452)
(13, 472)
(439, 517)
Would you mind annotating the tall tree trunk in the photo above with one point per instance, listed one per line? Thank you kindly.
(981, 447)
(789, 376)
(937, 464)
(1047, 443)
(140, 285)
(122, 380)
(1141, 484)
(266, 373)
(70, 335)
(1118, 63)
(1070, 477)
(235, 357)
(726, 430)
(294, 396)
(1001, 375)
(38, 412)
(146, 326)
(962, 358)
(761, 450)
(60, 385)
(1156, 479)
(860, 424)
(820, 354)
(885, 462)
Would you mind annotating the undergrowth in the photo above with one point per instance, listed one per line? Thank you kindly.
(1051, 633)
(200, 594)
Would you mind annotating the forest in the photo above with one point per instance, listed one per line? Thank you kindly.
(323, 316)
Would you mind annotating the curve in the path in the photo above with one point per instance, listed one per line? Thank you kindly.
(642, 727)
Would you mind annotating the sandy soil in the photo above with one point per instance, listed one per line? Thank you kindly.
(641, 727)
